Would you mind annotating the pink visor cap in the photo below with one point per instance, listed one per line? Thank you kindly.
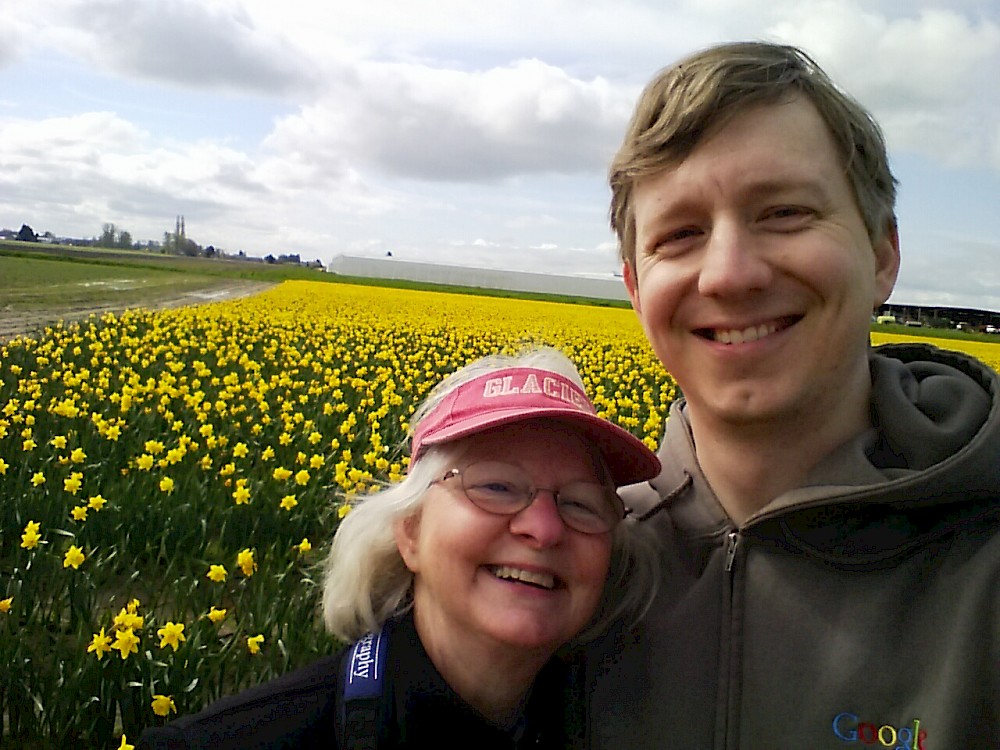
(518, 394)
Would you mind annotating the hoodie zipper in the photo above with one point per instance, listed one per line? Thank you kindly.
(733, 649)
(732, 543)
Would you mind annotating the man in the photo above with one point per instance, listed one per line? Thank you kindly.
(828, 513)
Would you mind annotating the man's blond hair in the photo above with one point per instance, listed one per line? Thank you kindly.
(693, 98)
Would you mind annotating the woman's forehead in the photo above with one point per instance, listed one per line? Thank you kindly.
(538, 443)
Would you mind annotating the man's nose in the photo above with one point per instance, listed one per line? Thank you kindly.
(540, 523)
(733, 263)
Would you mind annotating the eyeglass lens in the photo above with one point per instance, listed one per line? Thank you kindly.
(503, 488)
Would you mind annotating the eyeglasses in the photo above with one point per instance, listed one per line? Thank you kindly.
(504, 489)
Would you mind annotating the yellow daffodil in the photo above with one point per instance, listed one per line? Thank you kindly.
(31, 536)
(3, 467)
(127, 619)
(97, 502)
(217, 573)
(240, 450)
(74, 558)
(100, 644)
(163, 705)
(343, 510)
(302, 477)
(241, 495)
(303, 546)
(171, 634)
(288, 502)
(125, 745)
(144, 462)
(216, 615)
(166, 484)
(254, 643)
(73, 482)
(280, 473)
(245, 560)
(5, 605)
(79, 513)
(38, 479)
(78, 456)
(126, 642)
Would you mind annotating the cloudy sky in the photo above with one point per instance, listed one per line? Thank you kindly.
(454, 131)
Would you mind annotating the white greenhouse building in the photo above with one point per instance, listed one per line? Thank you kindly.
(484, 278)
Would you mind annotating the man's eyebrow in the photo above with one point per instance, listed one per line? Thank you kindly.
(814, 188)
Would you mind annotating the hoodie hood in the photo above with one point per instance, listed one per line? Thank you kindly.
(935, 424)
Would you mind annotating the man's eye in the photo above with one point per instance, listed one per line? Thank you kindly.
(669, 242)
(787, 212)
(682, 234)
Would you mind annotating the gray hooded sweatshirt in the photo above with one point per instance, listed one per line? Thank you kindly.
(859, 611)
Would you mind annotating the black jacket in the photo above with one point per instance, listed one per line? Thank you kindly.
(305, 709)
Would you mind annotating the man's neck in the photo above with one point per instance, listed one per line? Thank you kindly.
(749, 465)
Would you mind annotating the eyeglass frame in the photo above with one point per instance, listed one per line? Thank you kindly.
(615, 501)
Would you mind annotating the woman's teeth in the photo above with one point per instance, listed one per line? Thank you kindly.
(506, 572)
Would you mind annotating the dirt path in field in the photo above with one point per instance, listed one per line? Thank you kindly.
(14, 323)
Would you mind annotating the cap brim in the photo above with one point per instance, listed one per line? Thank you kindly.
(627, 458)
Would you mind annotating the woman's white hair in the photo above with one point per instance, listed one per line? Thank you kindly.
(366, 581)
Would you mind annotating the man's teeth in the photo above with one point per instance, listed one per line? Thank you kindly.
(526, 576)
(753, 333)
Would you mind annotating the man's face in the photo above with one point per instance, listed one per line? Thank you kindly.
(754, 276)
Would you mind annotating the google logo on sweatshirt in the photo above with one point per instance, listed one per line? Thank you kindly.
(847, 727)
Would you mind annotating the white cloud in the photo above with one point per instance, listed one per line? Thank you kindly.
(436, 124)
(79, 172)
(213, 45)
(929, 76)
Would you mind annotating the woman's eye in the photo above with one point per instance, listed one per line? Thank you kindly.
(496, 488)
(578, 508)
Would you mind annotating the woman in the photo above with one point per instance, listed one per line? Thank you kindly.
(463, 584)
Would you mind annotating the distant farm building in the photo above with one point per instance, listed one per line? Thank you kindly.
(941, 317)
(610, 288)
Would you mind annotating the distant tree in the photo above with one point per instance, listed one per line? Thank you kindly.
(107, 238)
(210, 251)
(269, 258)
(27, 234)
(124, 239)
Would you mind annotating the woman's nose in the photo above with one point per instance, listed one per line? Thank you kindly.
(540, 522)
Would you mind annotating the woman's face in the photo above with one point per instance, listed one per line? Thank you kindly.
(470, 566)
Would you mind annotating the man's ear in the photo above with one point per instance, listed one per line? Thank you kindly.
(886, 262)
(406, 532)
(632, 286)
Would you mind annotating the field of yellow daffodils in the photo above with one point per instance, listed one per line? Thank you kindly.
(170, 480)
